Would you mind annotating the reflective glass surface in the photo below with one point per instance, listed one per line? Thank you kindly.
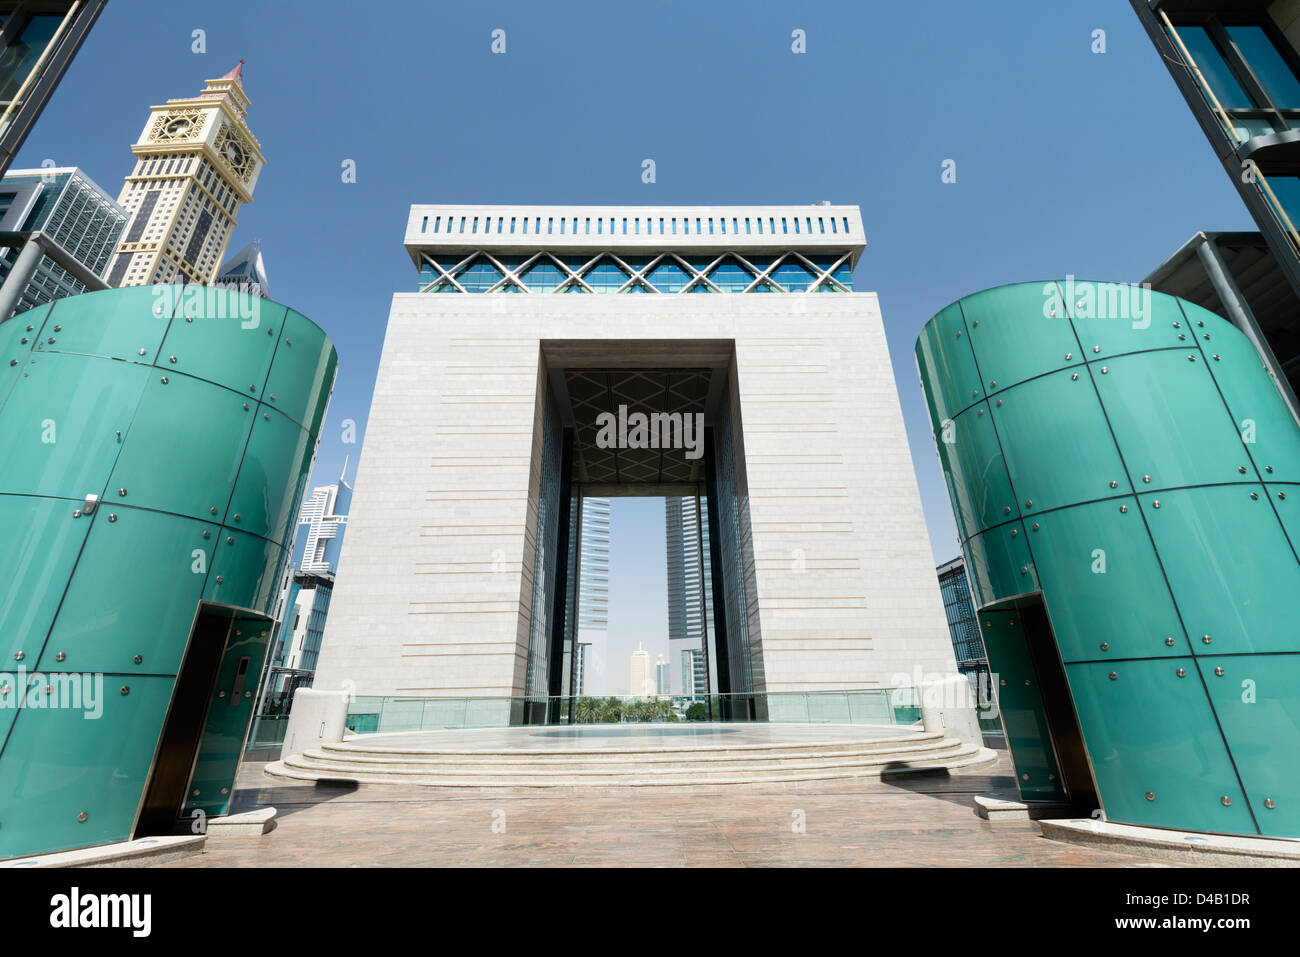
(230, 712)
(1015, 334)
(245, 571)
(1257, 699)
(117, 323)
(42, 541)
(1104, 589)
(999, 566)
(134, 592)
(201, 462)
(1021, 705)
(302, 373)
(1230, 567)
(225, 337)
(1115, 318)
(1266, 62)
(272, 478)
(1150, 731)
(1214, 68)
(1170, 421)
(57, 766)
(947, 366)
(1058, 448)
(974, 471)
(59, 428)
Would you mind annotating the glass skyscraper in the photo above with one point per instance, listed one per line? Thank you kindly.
(66, 207)
(593, 597)
(690, 584)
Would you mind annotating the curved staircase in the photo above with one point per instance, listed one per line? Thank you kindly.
(385, 761)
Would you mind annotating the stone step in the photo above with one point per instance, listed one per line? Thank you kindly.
(498, 761)
(561, 755)
(956, 758)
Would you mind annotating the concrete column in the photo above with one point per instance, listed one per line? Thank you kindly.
(19, 277)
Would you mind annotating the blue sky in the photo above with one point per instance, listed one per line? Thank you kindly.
(1068, 162)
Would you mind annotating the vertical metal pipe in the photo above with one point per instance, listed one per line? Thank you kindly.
(1239, 312)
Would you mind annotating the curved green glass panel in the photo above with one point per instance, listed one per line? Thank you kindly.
(225, 337)
(1150, 731)
(59, 429)
(1021, 705)
(1114, 318)
(272, 477)
(1259, 412)
(998, 565)
(302, 373)
(134, 592)
(57, 765)
(949, 377)
(229, 714)
(168, 463)
(976, 476)
(1014, 334)
(42, 541)
(1257, 699)
(245, 571)
(1170, 421)
(15, 354)
(117, 323)
(1058, 449)
(1230, 567)
(1286, 500)
(1105, 591)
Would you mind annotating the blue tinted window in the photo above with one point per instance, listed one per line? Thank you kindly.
(605, 276)
(1275, 76)
(1214, 69)
(543, 276)
(731, 276)
(479, 276)
(669, 277)
(793, 275)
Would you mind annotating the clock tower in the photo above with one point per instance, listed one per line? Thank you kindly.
(196, 164)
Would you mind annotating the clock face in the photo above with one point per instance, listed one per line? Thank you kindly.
(178, 126)
(234, 154)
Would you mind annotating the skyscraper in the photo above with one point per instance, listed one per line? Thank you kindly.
(593, 592)
(694, 678)
(639, 672)
(196, 165)
(690, 581)
(663, 683)
(306, 591)
(73, 227)
(321, 523)
(246, 271)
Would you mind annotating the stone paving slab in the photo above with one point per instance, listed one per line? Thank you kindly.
(925, 822)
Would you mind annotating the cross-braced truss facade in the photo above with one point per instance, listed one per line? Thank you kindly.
(482, 271)
(635, 249)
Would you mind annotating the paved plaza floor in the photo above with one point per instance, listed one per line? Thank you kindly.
(924, 821)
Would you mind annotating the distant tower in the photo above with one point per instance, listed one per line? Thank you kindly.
(246, 271)
(639, 674)
(196, 164)
(662, 681)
